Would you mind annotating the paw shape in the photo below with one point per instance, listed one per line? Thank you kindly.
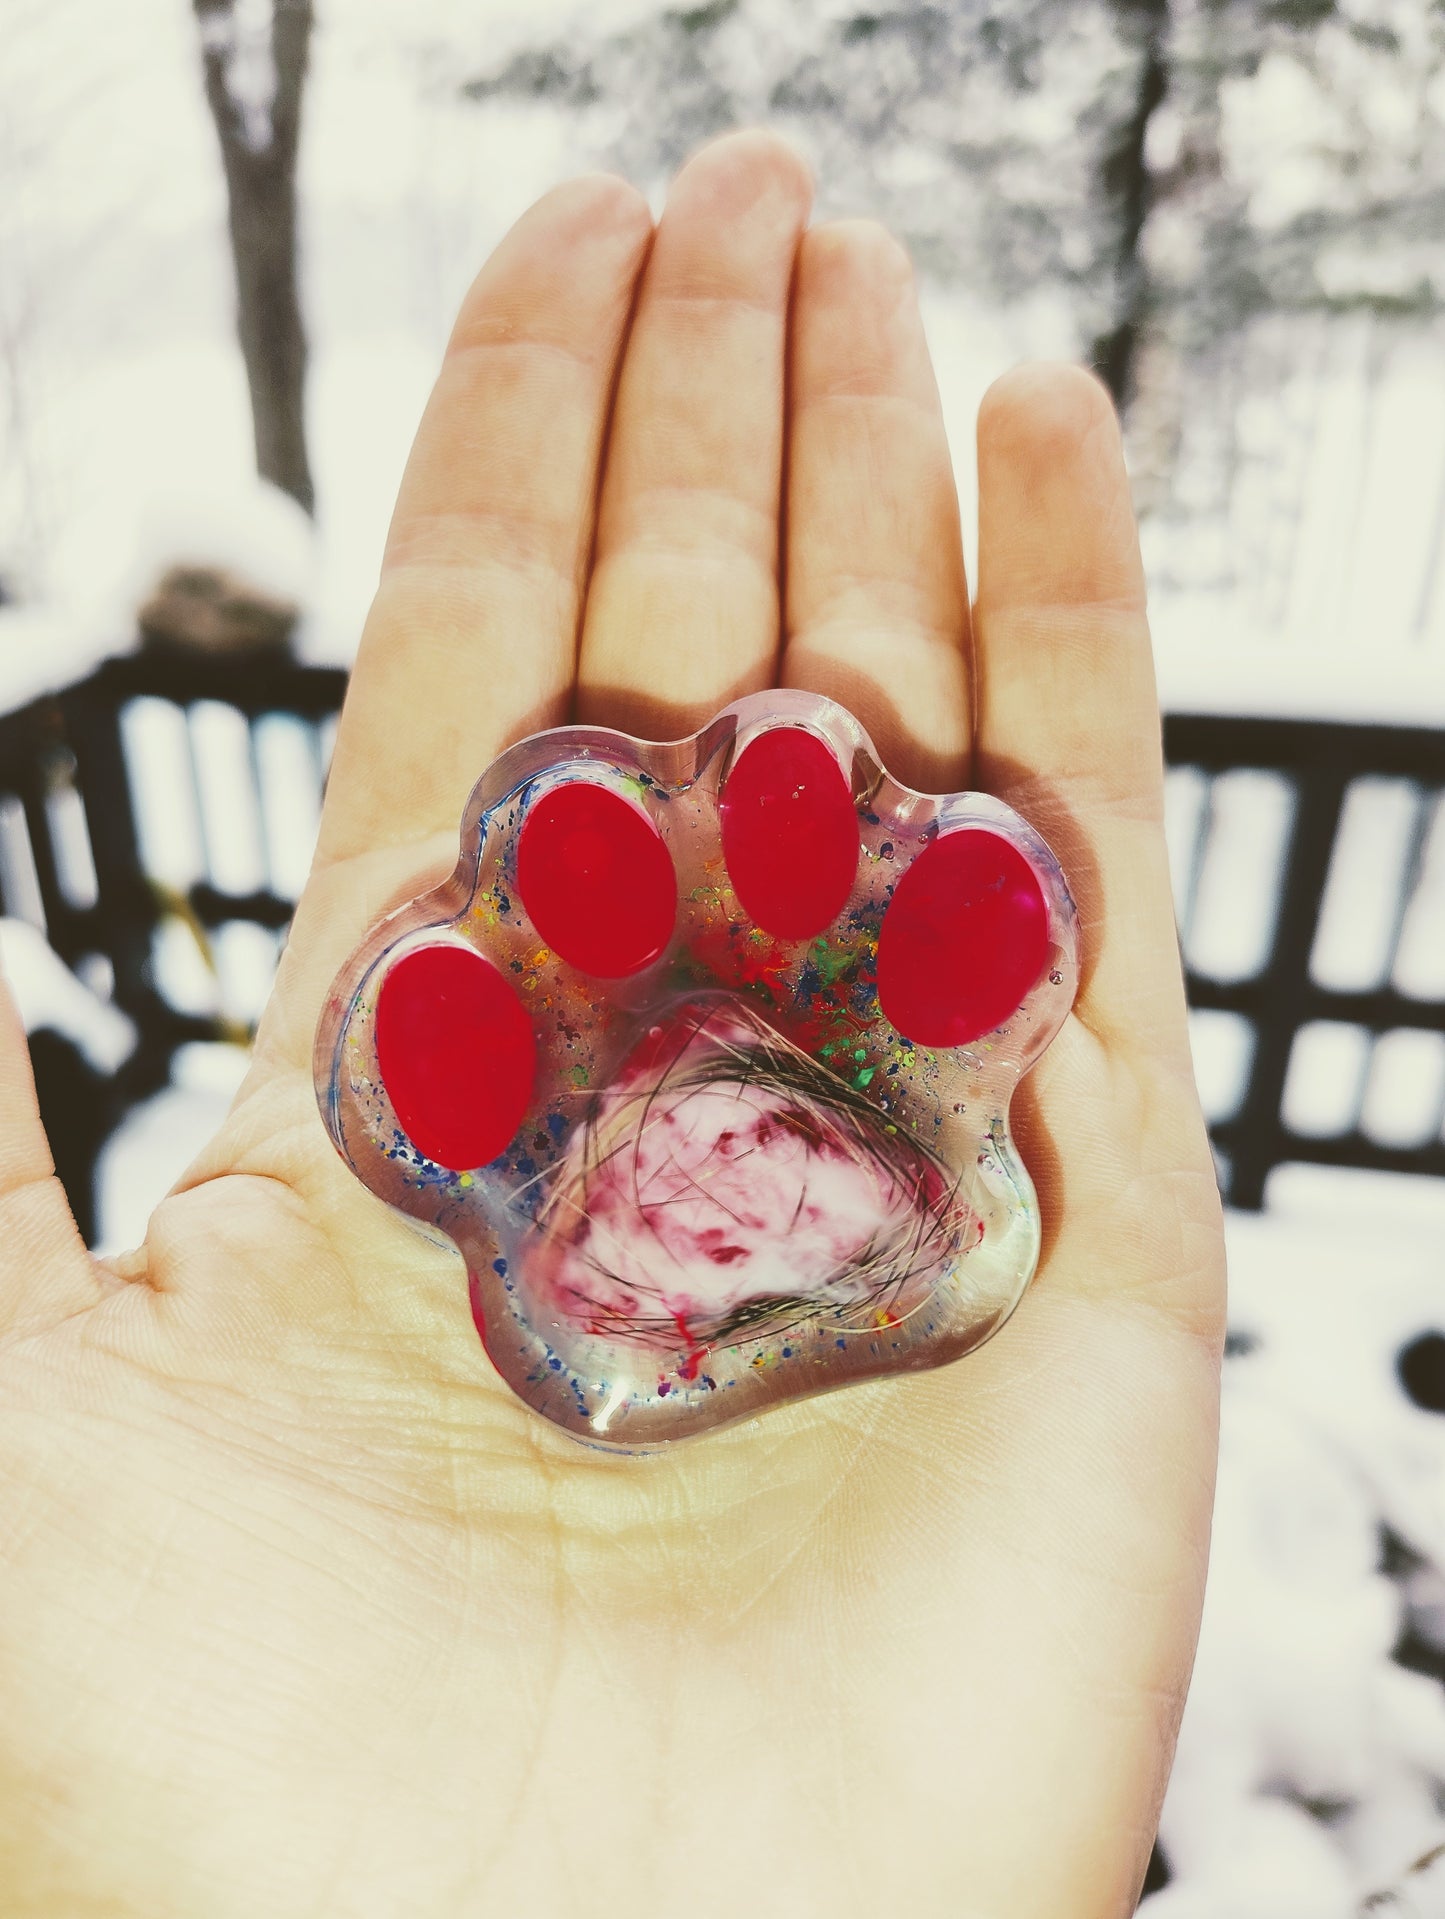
(703, 1058)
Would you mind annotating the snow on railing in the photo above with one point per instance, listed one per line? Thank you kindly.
(157, 822)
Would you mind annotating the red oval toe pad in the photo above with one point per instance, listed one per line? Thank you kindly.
(596, 879)
(789, 832)
(456, 1054)
(965, 936)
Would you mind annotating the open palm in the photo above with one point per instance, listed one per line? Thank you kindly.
(301, 1612)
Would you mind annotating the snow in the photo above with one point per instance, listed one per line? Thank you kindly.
(1294, 563)
(1320, 591)
(1230, 919)
(1309, 1762)
(160, 1138)
(242, 37)
(42, 651)
(238, 523)
(1369, 871)
(49, 995)
(215, 799)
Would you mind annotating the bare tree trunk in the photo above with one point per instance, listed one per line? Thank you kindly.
(259, 136)
(1125, 183)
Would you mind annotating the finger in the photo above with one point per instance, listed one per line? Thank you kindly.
(682, 612)
(471, 639)
(44, 1270)
(877, 602)
(1068, 719)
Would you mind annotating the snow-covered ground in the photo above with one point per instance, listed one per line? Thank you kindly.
(1310, 1762)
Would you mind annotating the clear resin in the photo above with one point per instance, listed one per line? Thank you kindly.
(703, 1057)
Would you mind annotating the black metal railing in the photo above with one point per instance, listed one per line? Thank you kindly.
(1291, 994)
(1264, 818)
(75, 861)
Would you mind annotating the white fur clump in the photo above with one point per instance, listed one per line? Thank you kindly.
(1309, 1761)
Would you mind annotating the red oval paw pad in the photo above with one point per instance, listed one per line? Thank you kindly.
(789, 832)
(965, 936)
(456, 1053)
(596, 879)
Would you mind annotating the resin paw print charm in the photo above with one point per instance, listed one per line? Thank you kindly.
(703, 1058)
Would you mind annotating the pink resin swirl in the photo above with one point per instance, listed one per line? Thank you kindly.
(726, 1185)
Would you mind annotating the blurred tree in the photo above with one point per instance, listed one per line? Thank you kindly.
(979, 132)
(1290, 152)
(1211, 197)
(255, 55)
(1294, 241)
(1126, 190)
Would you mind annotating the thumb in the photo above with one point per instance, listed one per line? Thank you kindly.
(45, 1271)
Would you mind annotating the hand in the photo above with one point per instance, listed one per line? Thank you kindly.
(302, 1613)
